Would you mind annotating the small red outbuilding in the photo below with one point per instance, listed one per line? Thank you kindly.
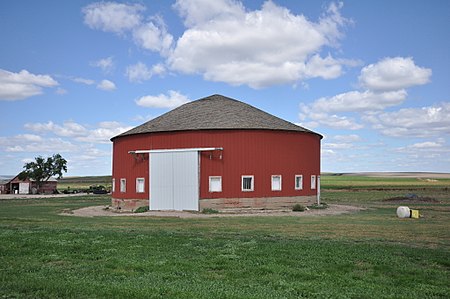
(28, 186)
(215, 152)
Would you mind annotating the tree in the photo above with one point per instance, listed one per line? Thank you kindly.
(43, 169)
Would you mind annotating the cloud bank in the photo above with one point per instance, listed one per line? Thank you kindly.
(225, 42)
(384, 85)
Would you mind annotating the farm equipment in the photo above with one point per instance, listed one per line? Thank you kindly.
(97, 189)
(71, 191)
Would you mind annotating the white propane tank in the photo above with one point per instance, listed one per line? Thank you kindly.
(403, 212)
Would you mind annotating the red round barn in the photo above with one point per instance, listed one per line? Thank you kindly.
(215, 152)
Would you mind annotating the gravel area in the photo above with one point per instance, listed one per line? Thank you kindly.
(105, 211)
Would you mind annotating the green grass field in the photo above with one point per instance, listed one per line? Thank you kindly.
(366, 182)
(369, 254)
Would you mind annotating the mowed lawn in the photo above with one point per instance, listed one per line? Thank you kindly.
(369, 254)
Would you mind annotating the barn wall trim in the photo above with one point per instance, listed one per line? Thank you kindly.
(200, 149)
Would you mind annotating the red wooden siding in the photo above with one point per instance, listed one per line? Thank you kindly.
(261, 153)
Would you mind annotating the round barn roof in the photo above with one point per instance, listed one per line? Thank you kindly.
(215, 112)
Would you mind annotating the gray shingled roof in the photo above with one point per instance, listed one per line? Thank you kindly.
(215, 112)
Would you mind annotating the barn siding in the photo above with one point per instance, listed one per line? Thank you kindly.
(261, 153)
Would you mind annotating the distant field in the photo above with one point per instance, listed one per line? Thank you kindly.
(84, 182)
(417, 175)
(328, 180)
(352, 181)
(369, 254)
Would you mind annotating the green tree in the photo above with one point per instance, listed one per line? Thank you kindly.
(43, 169)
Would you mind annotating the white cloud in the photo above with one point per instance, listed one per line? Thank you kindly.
(258, 48)
(203, 11)
(327, 153)
(140, 72)
(83, 158)
(18, 86)
(172, 100)
(101, 134)
(426, 152)
(153, 36)
(414, 122)
(90, 155)
(14, 149)
(36, 144)
(347, 138)
(225, 42)
(30, 137)
(326, 68)
(113, 17)
(39, 127)
(385, 82)
(86, 148)
(104, 132)
(339, 122)
(142, 118)
(426, 145)
(106, 85)
(105, 64)
(393, 74)
(158, 69)
(68, 129)
(359, 101)
(28, 160)
(338, 145)
(60, 91)
(122, 18)
(334, 121)
(84, 81)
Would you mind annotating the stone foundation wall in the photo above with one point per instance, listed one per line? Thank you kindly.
(269, 203)
(128, 204)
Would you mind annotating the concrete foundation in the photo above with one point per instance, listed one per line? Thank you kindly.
(268, 203)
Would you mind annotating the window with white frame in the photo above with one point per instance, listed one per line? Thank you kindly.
(276, 183)
(299, 182)
(123, 185)
(313, 182)
(113, 189)
(248, 183)
(140, 185)
(215, 184)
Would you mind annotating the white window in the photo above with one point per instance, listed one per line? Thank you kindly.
(313, 182)
(113, 189)
(140, 185)
(247, 183)
(123, 185)
(215, 184)
(299, 182)
(276, 183)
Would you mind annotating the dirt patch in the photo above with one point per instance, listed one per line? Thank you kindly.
(412, 198)
(105, 211)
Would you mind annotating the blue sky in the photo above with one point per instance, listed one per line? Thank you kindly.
(371, 76)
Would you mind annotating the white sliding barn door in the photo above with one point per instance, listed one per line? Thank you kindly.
(174, 182)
